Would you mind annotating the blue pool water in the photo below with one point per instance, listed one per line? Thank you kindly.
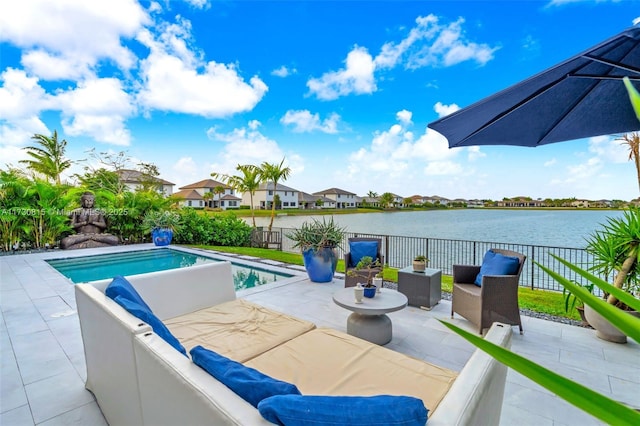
(98, 267)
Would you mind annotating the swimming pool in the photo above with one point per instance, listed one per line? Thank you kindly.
(98, 267)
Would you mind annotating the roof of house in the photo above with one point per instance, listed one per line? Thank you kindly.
(280, 187)
(229, 197)
(309, 198)
(188, 194)
(334, 191)
(205, 183)
(134, 176)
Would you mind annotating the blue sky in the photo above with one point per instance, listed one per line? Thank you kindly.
(342, 90)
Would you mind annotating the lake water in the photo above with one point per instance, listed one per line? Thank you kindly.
(556, 228)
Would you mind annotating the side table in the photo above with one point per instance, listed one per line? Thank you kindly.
(423, 289)
(369, 320)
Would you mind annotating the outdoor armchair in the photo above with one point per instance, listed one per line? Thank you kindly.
(495, 300)
(359, 247)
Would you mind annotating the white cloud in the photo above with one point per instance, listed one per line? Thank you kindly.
(404, 116)
(550, 163)
(173, 80)
(609, 149)
(394, 154)
(474, 153)
(442, 168)
(248, 146)
(283, 71)
(97, 108)
(356, 77)
(429, 43)
(199, 4)
(444, 110)
(22, 99)
(75, 32)
(304, 121)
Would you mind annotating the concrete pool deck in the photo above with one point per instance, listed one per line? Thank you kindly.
(42, 364)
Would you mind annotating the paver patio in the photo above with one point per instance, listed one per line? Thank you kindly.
(43, 372)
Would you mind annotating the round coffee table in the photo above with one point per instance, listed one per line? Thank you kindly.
(369, 320)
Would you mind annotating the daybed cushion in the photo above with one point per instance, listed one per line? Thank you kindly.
(360, 249)
(307, 410)
(329, 362)
(148, 316)
(238, 329)
(249, 384)
(497, 264)
(119, 286)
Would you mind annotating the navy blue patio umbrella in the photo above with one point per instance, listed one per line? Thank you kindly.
(581, 97)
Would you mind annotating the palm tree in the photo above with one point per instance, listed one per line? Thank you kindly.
(372, 194)
(219, 190)
(248, 182)
(48, 158)
(633, 141)
(386, 199)
(207, 198)
(272, 172)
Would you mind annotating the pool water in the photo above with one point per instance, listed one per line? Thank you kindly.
(102, 266)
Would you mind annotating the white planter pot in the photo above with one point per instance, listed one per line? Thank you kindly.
(604, 329)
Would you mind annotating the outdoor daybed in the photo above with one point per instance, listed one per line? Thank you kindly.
(139, 378)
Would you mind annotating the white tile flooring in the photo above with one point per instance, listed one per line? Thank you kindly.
(42, 365)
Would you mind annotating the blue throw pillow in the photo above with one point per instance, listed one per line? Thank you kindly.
(121, 287)
(360, 249)
(248, 383)
(497, 264)
(311, 410)
(156, 323)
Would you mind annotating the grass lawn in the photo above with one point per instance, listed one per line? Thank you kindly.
(543, 301)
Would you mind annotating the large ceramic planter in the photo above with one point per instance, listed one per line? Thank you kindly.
(321, 264)
(604, 329)
(162, 236)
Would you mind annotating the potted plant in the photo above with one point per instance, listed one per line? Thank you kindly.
(615, 249)
(317, 241)
(572, 302)
(162, 225)
(367, 269)
(419, 263)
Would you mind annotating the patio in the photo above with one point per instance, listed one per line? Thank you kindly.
(42, 374)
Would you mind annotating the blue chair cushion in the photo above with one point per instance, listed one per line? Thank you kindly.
(497, 264)
(121, 287)
(248, 383)
(360, 249)
(149, 317)
(312, 410)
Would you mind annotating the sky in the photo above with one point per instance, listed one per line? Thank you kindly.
(343, 91)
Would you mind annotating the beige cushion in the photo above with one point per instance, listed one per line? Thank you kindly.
(238, 329)
(329, 362)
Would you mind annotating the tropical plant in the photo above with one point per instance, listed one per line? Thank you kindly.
(317, 235)
(570, 299)
(249, 182)
(164, 219)
(47, 220)
(274, 173)
(207, 197)
(616, 249)
(386, 200)
(420, 258)
(47, 156)
(13, 206)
